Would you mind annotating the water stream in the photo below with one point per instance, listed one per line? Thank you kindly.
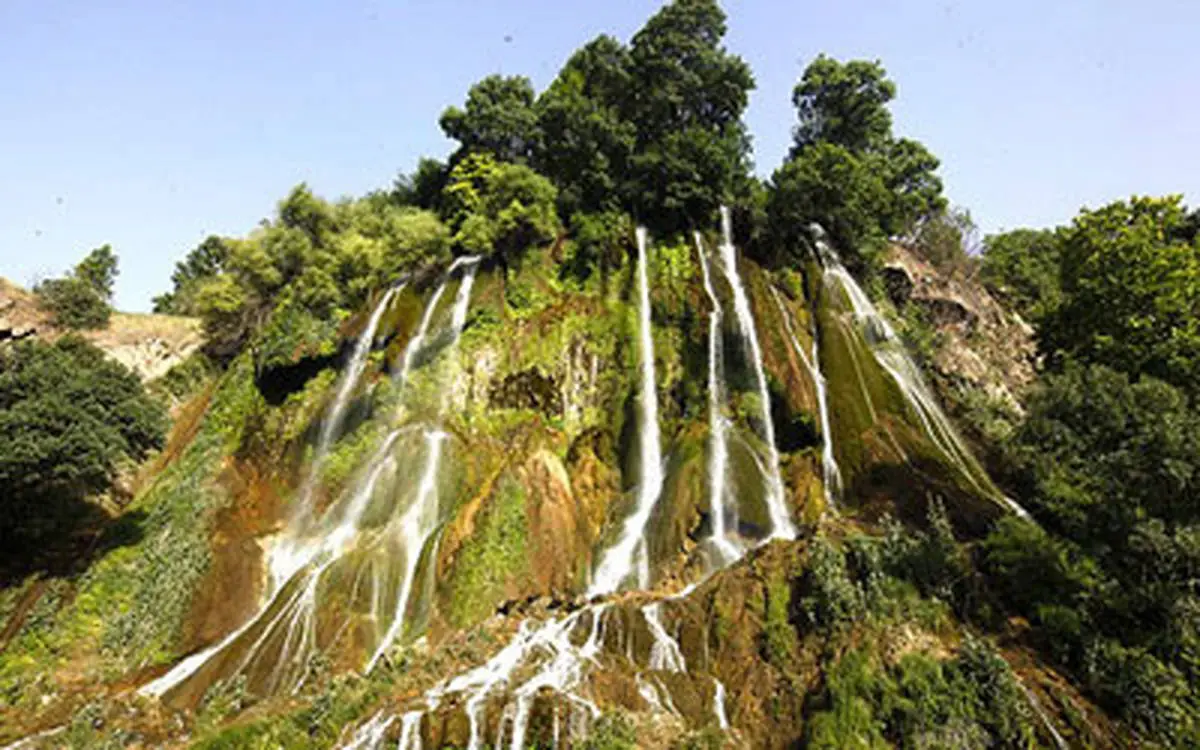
(377, 532)
(628, 556)
(720, 504)
(891, 355)
(781, 522)
(831, 474)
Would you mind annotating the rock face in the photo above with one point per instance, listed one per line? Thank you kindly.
(985, 346)
(150, 345)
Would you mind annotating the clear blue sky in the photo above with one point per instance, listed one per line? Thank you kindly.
(151, 123)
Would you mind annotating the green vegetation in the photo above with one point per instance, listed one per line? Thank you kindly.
(847, 171)
(1022, 267)
(493, 556)
(612, 731)
(70, 420)
(82, 298)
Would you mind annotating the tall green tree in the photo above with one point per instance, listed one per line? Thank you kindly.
(499, 118)
(844, 104)
(1022, 267)
(587, 143)
(858, 181)
(204, 261)
(69, 418)
(1131, 292)
(687, 97)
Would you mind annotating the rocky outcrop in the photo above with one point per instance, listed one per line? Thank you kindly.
(150, 345)
(984, 346)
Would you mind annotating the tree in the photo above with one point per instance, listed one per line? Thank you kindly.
(69, 418)
(423, 187)
(99, 271)
(587, 143)
(852, 176)
(843, 104)
(499, 119)
(1022, 267)
(498, 208)
(204, 261)
(686, 100)
(829, 186)
(81, 299)
(1131, 292)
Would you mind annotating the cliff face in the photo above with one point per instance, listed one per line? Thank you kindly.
(423, 568)
(150, 345)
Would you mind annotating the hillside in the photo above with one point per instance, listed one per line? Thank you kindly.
(150, 345)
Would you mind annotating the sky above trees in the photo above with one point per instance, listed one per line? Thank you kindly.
(149, 126)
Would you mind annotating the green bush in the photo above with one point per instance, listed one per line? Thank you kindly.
(81, 299)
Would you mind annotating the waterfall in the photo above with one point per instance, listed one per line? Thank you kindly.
(619, 561)
(471, 263)
(776, 502)
(831, 474)
(276, 644)
(337, 410)
(414, 528)
(718, 425)
(889, 352)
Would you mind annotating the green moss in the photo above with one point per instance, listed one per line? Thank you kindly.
(491, 557)
(780, 636)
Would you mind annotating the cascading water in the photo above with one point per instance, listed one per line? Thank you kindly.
(889, 352)
(628, 556)
(718, 425)
(831, 474)
(332, 422)
(781, 521)
(274, 647)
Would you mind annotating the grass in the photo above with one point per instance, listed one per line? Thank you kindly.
(492, 556)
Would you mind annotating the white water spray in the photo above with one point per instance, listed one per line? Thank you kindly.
(414, 527)
(619, 561)
(781, 521)
(718, 425)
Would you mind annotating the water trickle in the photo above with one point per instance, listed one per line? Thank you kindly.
(370, 735)
(889, 352)
(628, 556)
(414, 528)
(665, 654)
(781, 521)
(831, 474)
(408, 359)
(718, 425)
(719, 705)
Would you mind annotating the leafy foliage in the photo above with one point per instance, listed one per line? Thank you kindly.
(846, 171)
(82, 299)
(205, 260)
(499, 119)
(1022, 267)
(1131, 291)
(69, 418)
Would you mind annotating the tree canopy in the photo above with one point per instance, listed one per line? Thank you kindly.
(82, 299)
(847, 171)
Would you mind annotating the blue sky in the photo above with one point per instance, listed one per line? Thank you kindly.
(148, 124)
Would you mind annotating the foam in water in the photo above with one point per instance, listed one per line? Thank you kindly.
(628, 556)
(888, 351)
(718, 425)
(276, 644)
(831, 474)
(781, 521)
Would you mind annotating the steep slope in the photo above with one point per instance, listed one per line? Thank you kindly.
(416, 571)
